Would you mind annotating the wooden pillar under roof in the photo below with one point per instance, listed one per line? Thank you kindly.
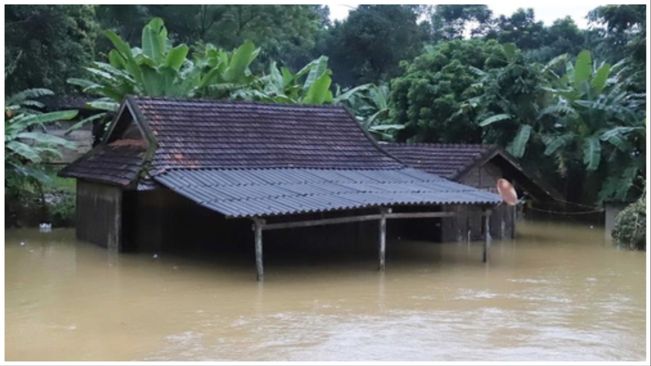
(383, 237)
(487, 234)
(257, 228)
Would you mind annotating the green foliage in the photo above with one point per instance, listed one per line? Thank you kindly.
(630, 225)
(310, 85)
(61, 205)
(47, 44)
(434, 96)
(520, 28)
(580, 122)
(562, 37)
(596, 122)
(623, 31)
(26, 148)
(272, 27)
(451, 21)
(518, 146)
(578, 113)
(158, 68)
(495, 118)
(369, 45)
(30, 203)
(370, 105)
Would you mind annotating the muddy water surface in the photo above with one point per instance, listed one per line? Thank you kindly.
(558, 292)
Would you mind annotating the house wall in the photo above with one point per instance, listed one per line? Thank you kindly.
(99, 214)
(467, 225)
(161, 220)
(164, 221)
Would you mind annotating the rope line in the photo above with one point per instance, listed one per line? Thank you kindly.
(568, 212)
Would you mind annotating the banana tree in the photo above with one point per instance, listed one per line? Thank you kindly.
(310, 85)
(370, 104)
(597, 124)
(158, 68)
(26, 149)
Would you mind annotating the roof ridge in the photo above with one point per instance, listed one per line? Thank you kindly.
(441, 144)
(236, 102)
(282, 168)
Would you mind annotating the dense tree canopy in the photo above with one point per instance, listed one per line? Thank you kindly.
(46, 44)
(428, 98)
(272, 27)
(369, 45)
(563, 36)
(624, 32)
(451, 21)
(520, 28)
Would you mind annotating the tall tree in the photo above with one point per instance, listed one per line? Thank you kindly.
(622, 29)
(371, 42)
(46, 44)
(126, 20)
(521, 28)
(563, 36)
(451, 21)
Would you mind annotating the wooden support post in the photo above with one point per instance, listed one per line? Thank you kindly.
(383, 236)
(487, 234)
(515, 218)
(257, 228)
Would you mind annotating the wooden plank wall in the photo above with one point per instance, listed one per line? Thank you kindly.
(99, 214)
(468, 223)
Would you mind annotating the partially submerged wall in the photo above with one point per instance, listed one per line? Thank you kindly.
(467, 225)
(99, 214)
(162, 220)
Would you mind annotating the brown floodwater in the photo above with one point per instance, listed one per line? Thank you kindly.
(558, 292)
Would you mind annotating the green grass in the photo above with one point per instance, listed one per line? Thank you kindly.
(59, 183)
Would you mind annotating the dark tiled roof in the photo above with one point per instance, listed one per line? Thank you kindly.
(446, 160)
(210, 134)
(452, 161)
(118, 163)
(251, 159)
(268, 192)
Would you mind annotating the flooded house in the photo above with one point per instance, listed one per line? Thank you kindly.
(173, 173)
(479, 166)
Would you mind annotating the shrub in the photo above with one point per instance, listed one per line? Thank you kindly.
(62, 209)
(630, 225)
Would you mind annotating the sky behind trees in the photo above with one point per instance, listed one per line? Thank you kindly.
(546, 11)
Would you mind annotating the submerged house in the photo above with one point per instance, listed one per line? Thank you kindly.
(193, 172)
(478, 166)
